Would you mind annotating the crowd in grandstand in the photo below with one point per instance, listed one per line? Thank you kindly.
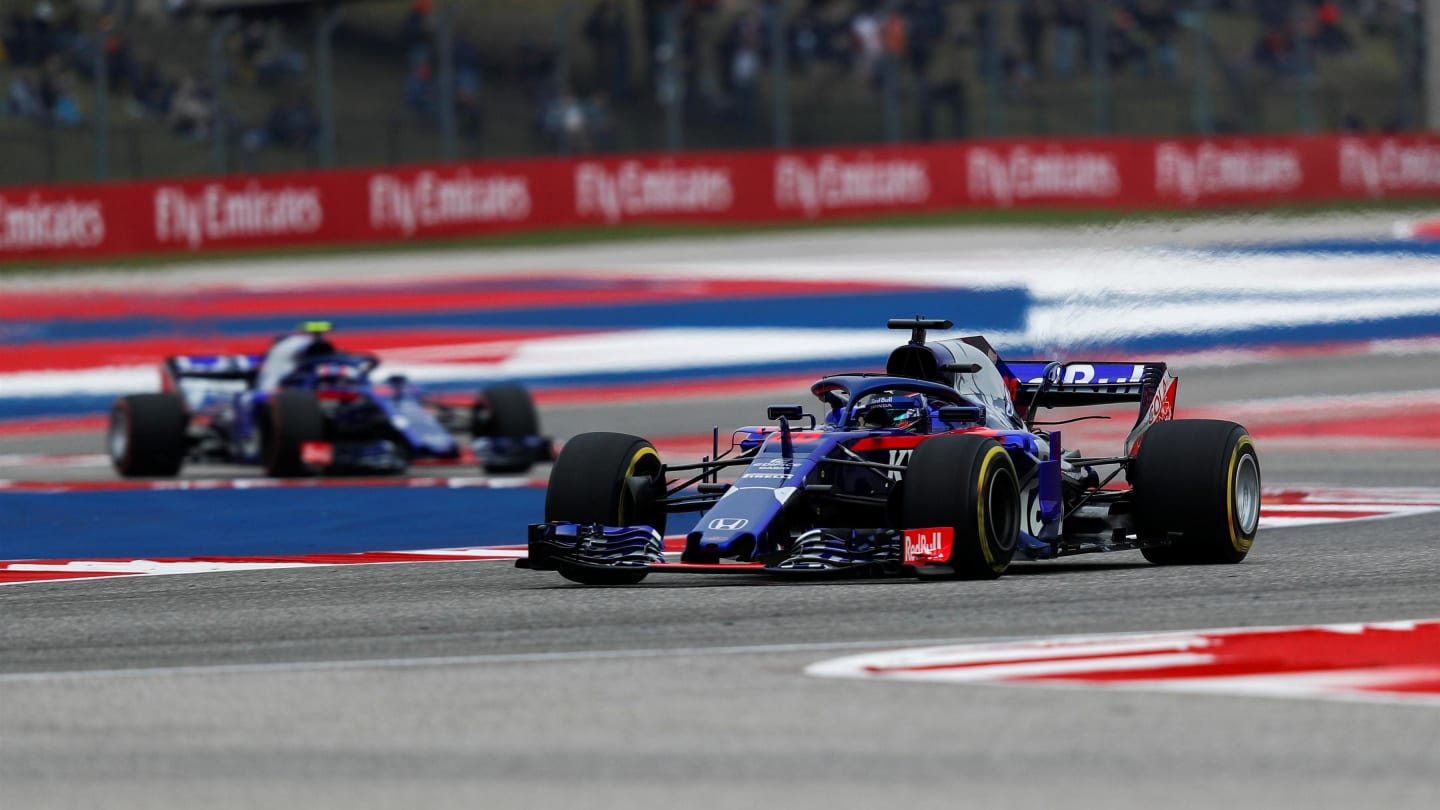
(719, 53)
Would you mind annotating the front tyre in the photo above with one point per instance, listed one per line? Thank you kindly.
(967, 483)
(1197, 484)
(610, 479)
(506, 411)
(147, 435)
(291, 419)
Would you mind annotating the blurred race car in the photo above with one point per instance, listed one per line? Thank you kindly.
(305, 407)
(936, 467)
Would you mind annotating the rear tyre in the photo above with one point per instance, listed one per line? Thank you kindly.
(291, 419)
(1197, 484)
(967, 483)
(613, 479)
(505, 411)
(147, 435)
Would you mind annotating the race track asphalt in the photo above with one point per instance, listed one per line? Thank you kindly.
(478, 685)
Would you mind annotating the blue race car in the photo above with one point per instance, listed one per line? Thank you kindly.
(937, 467)
(305, 407)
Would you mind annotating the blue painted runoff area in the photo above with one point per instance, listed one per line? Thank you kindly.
(279, 521)
(1394, 248)
(989, 309)
(1154, 346)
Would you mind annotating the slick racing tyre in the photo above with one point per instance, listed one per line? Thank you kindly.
(505, 411)
(967, 483)
(1197, 483)
(290, 419)
(612, 479)
(147, 435)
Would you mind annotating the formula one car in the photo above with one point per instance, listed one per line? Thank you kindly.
(936, 467)
(305, 407)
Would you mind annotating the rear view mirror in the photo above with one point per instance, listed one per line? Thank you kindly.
(962, 414)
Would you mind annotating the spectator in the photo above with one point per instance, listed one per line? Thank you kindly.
(66, 110)
(275, 62)
(150, 93)
(23, 99)
(869, 47)
(292, 124)
(1157, 19)
(1122, 50)
(192, 110)
(57, 94)
(1274, 51)
(420, 83)
(599, 123)
(418, 33)
(745, 61)
(467, 82)
(609, 37)
(808, 36)
(179, 9)
(1330, 36)
(1032, 33)
(563, 122)
(925, 24)
(1070, 33)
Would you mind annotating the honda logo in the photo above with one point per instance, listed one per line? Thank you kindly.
(729, 524)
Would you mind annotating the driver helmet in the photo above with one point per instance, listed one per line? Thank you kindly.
(320, 344)
(900, 411)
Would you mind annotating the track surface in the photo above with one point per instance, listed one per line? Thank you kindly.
(465, 684)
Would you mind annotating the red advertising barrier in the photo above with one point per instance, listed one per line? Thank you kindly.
(386, 205)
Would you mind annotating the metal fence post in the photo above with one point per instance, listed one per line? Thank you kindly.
(445, 54)
(1099, 66)
(219, 74)
(325, 85)
(779, 74)
(102, 110)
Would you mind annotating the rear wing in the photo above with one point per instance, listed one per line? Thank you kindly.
(1080, 384)
(1083, 383)
(204, 378)
(213, 366)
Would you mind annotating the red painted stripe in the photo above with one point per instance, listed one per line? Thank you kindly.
(1333, 514)
(52, 424)
(1002, 661)
(543, 292)
(6, 575)
(677, 389)
(1425, 684)
(888, 443)
(90, 354)
(184, 484)
(1427, 229)
(1292, 651)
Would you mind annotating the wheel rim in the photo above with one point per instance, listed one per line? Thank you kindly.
(119, 437)
(1002, 509)
(1247, 494)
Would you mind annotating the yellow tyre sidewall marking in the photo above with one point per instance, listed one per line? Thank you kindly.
(629, 471)
(980, 506)
(1238, 541)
